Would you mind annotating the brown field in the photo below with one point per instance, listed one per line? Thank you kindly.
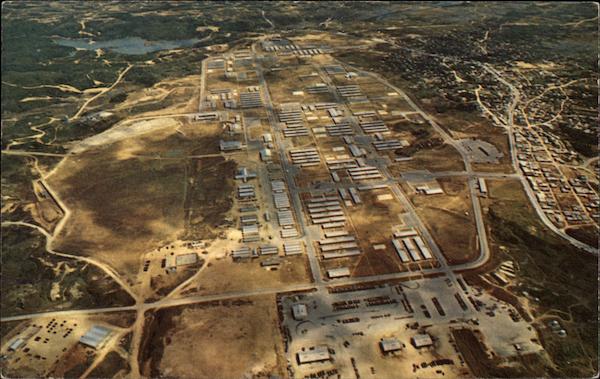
(449, 218)
(307, 176)
(224, 275)
(293, 78)
(217, 81)
(127, 198)
(392, 103)
(373, 223)
(443, 158)
(226, 339)
(480, 128)
(371, 88)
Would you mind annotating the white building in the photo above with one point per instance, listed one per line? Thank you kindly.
(299, 311)
(317, 354)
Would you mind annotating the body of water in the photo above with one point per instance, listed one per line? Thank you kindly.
(129, 45)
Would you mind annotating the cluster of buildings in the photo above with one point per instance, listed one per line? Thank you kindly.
(285, 47)
(565, 200)
(410, 246)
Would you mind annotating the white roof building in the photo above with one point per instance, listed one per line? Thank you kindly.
(317, 354)
(16, 344)
(299, 311)
(421, 340)
(230, 145)
(338, 272)
(265, 154)
(390, 344)
(95, 336)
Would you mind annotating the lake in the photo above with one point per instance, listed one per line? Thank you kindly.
(129, 45)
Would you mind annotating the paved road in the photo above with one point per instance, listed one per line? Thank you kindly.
(202, 85)
(411, 215)
(288, 169)
(481, 231)
(194, 299)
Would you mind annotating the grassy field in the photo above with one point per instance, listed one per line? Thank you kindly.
(208, 196)
(563, 279)
(130, 196)
(130, 206)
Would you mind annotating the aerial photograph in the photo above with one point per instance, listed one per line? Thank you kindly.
(299, 189)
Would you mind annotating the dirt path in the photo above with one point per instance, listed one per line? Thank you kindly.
(113, 345)
(136, 341)
(61, 87)
(267, 20)
(105, 90)
(37, 137)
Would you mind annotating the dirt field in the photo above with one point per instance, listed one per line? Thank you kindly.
(373, 223)
(449, 218)
(223, 275)
(466, 126)
(223, 340)
(135, 201)
(443, 158)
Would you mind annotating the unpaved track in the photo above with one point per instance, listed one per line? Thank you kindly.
(119, 78)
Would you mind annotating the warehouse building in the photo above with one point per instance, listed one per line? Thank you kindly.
(316, 354)
(95, 336)
(230, 145)
(421, 340)
(338, 272)
(389, 345)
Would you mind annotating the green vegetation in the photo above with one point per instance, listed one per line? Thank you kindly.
(16, 188)
(31, 278)
(561, 277)
(6, 327)
(584, 143)
(110, 366)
